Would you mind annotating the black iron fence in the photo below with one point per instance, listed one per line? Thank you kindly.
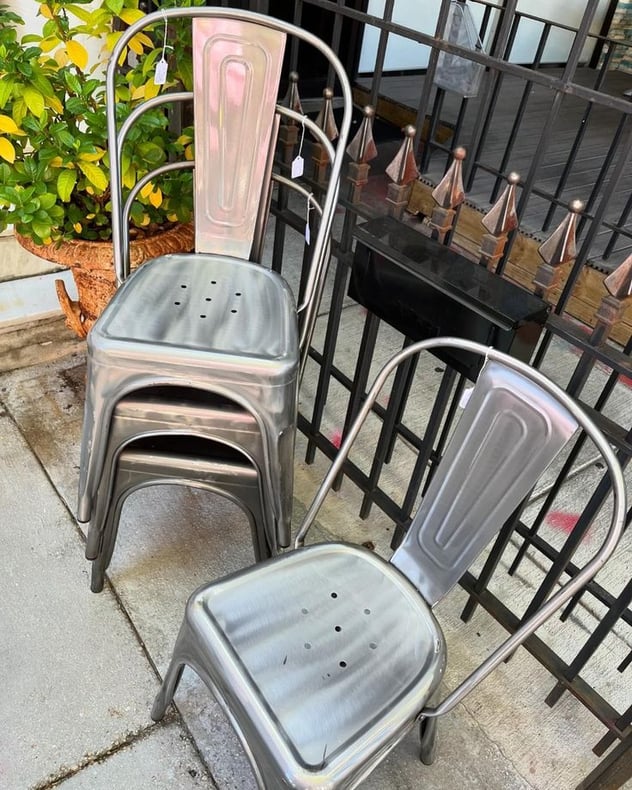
(566, 131)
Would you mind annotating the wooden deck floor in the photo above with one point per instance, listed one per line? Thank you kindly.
(402, 94)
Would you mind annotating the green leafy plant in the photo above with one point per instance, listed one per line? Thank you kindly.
(54, 166)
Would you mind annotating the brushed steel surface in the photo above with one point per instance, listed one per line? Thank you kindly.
(324, 656)
(236, 67)
(555, 405)
(242, 344)
(208, 303)
(508, 434)
(137, 469)
(241, 339)
(143, 415)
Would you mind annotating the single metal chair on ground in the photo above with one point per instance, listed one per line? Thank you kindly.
(161, 460)
(216, 320)
(321, 684)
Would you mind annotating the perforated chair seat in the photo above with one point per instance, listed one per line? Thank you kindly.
(240, 341)
(225, 472)
(330, 650)
(209, 303)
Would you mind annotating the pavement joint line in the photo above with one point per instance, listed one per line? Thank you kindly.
(54, 780)
(136, 736)
(82, 539)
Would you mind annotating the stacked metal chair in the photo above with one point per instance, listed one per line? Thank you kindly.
(321, 684)
(209, 344)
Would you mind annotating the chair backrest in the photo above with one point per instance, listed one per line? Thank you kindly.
(507, 435)
(237, 60)
(513, 425)
(237, 67)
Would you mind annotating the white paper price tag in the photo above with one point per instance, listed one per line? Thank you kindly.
(298, 165)
(160, 77)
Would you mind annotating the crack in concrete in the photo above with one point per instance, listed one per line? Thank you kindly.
(136, 736)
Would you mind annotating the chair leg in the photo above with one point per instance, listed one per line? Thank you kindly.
(97, 578)
(164, 698)
(108, 533)
(428, 740)
(93, 541)
(170, 682)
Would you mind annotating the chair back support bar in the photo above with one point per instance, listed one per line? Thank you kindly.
(509, 432)
(236, 69)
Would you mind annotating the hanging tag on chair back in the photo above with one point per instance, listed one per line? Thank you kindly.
(454, 73)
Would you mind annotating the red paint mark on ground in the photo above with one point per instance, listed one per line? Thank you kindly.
(336, 439)
(627, 382)
(562, 521)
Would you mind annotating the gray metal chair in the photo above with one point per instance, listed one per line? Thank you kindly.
(216, 319)
(174, 413)
(160, 460)
(321, 684)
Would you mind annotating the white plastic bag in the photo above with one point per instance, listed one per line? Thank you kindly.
(454, 73)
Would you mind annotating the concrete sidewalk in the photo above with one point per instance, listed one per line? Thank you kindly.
(81, 670)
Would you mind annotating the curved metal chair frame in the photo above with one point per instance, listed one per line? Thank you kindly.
(320, 685)
(215, 319)
(142, 415)
(138, 468)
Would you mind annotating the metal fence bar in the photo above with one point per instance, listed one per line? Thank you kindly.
(597, 218)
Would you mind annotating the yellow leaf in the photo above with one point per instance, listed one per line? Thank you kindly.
(151, 90)
(56, 162)
(189, 153)
(77, 226)
(144, 40)
(138, 93)
(146, 220)
(77, 53)
(94, 174)
(147, 190)
(7, 151)
(135, 46)
(61, 56)
(131, 15)
(87, 157)
(54, 103)
(156, 197)
(90, 216)
(184, 139)
(9, 125)
(34, 100)
(45, 11)
(111, 39)
(129, 178)
(46, 44)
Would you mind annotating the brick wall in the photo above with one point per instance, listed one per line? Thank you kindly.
(621, 30)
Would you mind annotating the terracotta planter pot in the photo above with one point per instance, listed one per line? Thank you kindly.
(92, 267)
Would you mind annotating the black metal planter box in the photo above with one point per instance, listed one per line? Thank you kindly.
(425, 290)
